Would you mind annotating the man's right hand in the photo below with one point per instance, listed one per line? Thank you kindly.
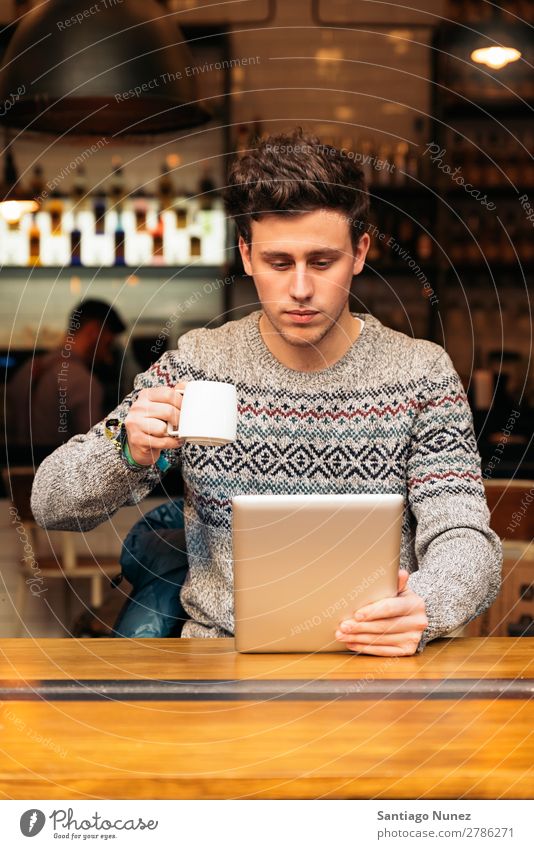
(146, 423)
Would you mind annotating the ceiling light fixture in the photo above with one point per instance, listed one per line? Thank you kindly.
(495, 57)
(113, 68)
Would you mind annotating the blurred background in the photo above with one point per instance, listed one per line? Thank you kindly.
(118, 122)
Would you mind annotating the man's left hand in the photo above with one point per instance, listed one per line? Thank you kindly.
(392, 626)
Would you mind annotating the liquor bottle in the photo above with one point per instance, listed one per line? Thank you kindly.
(119, 239)
(34, 238)
(195, 247)
(138, 240)
(206, 188)
(116, 189)
(366, 146)
(382, 175)
(117, 195)
(412, 164)
(80, 189)
(165, 189)
(140, 209)
(424, 246)
(157, 243)
(34, 233)
(37, 183)
(55, 210)
(182, 216)
(78, 199)
(99, 209)
(400, 159)
(55, 247)
(99, 244)
(76, 247)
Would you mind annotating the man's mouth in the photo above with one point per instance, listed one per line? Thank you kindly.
(302, 316)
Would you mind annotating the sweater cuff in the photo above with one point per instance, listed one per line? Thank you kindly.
(115, 431)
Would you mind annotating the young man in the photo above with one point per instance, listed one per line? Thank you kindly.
(56, 395)
(328, 402)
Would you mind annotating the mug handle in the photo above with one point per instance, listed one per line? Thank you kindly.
(170, 431)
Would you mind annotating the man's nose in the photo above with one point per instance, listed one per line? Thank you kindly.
(301, 286)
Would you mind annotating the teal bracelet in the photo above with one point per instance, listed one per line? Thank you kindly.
(115, 431)
(161, 463)
(128, 456)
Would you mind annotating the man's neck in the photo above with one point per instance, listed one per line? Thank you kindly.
(311, 358)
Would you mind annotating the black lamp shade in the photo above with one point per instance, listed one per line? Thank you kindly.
(113, 68)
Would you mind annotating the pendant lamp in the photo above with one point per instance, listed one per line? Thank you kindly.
(114, 68)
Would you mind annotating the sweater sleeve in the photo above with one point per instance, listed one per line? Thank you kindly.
(85, 481)
(459, 557)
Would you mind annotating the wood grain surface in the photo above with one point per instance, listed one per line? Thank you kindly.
(376, 748)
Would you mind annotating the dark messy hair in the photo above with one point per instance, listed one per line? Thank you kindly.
(295, 172)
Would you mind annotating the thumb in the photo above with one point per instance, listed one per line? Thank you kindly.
(403, 580)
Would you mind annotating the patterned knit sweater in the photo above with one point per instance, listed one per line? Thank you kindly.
(390, 416)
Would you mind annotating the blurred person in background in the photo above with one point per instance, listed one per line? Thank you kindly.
(57, 394)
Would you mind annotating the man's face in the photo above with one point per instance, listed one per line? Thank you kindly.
(302, 267)
(104, 343)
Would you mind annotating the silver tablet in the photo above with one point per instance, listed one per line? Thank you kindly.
(302, 563)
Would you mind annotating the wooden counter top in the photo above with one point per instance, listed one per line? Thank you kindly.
(368, 741)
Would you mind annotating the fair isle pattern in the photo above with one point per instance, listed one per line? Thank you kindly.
(390, 416)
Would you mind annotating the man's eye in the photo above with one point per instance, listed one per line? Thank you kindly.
(279, 266)
(323, 263)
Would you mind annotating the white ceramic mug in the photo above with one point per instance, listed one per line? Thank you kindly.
(209, 413)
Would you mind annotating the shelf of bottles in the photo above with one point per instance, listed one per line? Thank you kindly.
(98, 231)
(490, 156)
(486, 223)
(400, 239)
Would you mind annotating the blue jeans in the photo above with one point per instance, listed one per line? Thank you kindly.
(154, 561)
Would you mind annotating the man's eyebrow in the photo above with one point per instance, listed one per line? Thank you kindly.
(314, 252)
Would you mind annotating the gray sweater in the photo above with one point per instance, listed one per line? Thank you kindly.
(390, 416)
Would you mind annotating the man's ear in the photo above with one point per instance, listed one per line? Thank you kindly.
(361, 253)
(245, 251)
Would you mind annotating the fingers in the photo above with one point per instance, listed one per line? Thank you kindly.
(162, 395)
(153, 412)
(147, 421)
(148, 451)
(403, 580)
(398, 625)
(380, 639)
(158, 395)
(404, 650)
(387, 608)
(147, 442)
